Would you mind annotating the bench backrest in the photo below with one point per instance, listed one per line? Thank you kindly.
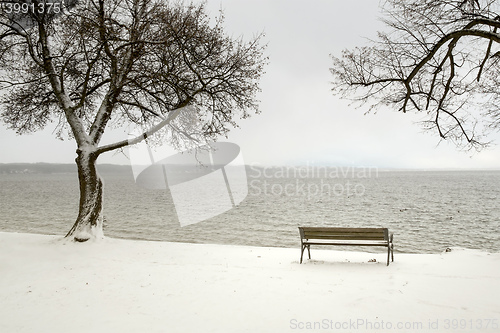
(344, 233)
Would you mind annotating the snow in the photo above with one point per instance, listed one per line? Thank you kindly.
(48, 284)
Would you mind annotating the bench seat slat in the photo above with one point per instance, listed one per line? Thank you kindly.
(347, 243)
(350, 230)
(359, 232)
(340, 236)
(367, 232)
(339, 241)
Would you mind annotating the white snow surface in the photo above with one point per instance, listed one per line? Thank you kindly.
(48, 284)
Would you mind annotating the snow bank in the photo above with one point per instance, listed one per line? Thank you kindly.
(48, 285)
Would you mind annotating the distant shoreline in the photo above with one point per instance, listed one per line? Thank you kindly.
(51, 168)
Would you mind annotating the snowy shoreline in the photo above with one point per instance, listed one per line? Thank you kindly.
(49, 285)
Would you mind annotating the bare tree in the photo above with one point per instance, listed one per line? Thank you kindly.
(441, 58)
(106, 63)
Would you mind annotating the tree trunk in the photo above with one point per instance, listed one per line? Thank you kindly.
(88, 224)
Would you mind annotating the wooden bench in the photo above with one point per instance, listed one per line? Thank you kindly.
(345, 236)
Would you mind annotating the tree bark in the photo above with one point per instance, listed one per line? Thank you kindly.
(89, 222)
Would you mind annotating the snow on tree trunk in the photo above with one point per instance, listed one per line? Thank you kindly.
(88, 224)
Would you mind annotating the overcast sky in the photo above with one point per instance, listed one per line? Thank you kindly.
(301, 121)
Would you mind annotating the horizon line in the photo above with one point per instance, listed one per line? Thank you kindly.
(297, 166)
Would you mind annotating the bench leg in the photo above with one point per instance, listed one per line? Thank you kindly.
(388, 254)
(303, 247)
(391, 244)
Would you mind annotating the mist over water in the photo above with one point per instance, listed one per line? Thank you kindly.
(427, 211)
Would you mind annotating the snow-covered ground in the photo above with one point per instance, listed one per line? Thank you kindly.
(49, 285)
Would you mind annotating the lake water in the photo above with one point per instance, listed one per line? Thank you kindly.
(427, 211)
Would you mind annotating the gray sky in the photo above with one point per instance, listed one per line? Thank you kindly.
(301, 121)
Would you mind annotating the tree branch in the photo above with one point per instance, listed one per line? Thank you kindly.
(117, 145)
